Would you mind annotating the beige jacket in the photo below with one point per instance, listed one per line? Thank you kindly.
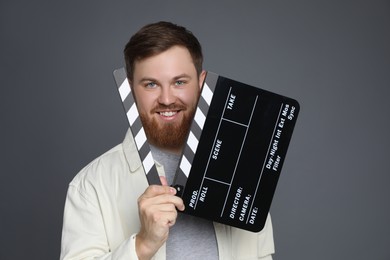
(101, 213)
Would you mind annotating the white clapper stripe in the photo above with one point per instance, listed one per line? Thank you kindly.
(207, 94)
(140, 138)
(124, 89)
(132, 114)
(192, 142)
(148, 162)
(185, 166)
(199, 118)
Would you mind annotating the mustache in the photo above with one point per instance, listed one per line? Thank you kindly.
(162, 107)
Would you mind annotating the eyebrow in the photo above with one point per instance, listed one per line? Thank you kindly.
(184, 75)
(147, 79)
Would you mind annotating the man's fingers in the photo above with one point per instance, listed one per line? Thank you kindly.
(155, 190)
(176, 202)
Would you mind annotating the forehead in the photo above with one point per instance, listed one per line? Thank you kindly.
(168, 64)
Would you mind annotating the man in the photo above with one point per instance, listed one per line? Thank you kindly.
(110, 211)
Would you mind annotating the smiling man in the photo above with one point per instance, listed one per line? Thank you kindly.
(110, 211)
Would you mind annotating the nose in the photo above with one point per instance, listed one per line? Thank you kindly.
(167, 96)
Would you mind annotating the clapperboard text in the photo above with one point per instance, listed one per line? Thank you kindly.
(218, 143)
(244, 208)
(274, 158)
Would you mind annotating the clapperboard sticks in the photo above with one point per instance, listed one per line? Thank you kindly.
(141, 142)
(136, 126)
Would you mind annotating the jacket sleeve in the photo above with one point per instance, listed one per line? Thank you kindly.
(83, 234)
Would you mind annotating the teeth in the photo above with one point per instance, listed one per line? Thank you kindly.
(168, 113)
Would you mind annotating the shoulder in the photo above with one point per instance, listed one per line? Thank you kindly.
(101, 170)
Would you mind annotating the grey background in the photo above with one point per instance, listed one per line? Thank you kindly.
(59, 109)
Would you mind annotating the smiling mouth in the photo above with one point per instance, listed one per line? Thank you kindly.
(168, 113)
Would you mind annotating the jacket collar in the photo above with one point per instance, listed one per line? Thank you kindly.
(132, 155)
(130, 151)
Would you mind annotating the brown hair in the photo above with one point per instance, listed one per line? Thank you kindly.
(156, 38)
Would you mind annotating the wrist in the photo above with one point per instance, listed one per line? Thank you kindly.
(143, 249)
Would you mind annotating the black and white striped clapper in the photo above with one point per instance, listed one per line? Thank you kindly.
(136, 126)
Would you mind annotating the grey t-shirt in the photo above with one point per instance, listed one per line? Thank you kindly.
(191, 237)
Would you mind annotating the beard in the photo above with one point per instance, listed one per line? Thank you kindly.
(170, 135)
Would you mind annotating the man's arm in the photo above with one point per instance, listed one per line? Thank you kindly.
(157, 210)
(84, 235)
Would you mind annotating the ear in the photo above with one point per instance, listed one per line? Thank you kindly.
(202, 76)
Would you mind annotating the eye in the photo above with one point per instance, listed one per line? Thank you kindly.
(150, 84)
(180, 82)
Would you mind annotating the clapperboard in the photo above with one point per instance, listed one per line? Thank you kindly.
(234, 153)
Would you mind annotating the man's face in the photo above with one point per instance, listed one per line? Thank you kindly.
(166, 88)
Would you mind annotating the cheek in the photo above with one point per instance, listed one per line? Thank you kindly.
(190, 97)
(144, 104)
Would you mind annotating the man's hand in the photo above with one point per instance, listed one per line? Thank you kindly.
(157, 212)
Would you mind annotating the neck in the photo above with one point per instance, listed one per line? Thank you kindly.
(175, 151)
